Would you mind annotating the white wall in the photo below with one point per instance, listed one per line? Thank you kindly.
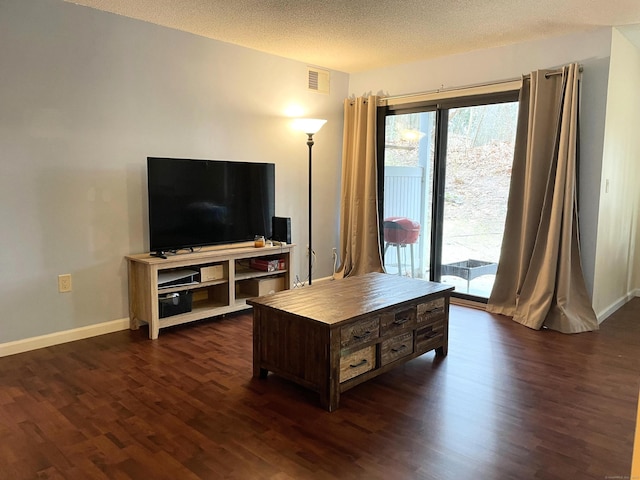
(591, 50)
(85, 97)
(617, 254)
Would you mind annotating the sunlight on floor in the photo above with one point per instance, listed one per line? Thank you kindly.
(479, 287)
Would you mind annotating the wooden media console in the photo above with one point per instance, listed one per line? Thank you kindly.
(222, 279)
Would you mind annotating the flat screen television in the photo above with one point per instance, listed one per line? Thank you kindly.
(193, 203)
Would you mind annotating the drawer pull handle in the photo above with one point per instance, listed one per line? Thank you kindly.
(364, 335)
(431, 334)
(435, 310)
(400, 321)
(361, 363)
(399, 349)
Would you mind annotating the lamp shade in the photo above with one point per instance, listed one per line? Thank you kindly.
(308, 125)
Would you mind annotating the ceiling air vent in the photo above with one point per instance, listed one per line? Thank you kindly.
(319, 80)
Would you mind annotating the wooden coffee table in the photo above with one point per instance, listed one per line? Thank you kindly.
(333, 336)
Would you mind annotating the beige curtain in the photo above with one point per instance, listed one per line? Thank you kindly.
(539, 280)
(359, 237)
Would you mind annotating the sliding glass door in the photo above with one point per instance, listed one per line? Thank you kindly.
(408, 184)
(478, 159)
(446, 173)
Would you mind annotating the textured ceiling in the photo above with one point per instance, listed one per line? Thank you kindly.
(356, 35)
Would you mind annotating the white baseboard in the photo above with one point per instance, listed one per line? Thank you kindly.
(607, 312)
(463, 302)
(33, 343)
(57, 338)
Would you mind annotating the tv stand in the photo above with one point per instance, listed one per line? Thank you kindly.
(231, 284)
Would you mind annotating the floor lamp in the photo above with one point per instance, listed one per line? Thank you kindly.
(310, 126)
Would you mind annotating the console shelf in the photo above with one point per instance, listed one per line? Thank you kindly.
(235, 283)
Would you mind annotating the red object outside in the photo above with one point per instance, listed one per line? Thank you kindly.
(401, 230)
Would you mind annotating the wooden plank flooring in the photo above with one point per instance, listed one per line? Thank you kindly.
(635, 465)
(506, 403)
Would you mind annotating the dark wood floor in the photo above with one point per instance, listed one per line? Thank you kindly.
(506, 403)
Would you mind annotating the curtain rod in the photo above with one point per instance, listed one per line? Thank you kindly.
(553, 72)
(452, 89)
(558, 71)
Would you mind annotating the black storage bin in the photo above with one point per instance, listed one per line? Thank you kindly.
(174, 303)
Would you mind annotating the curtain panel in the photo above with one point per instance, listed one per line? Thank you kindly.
(359, 229)
(539, 281)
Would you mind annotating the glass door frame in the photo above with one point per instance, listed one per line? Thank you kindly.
(441, 108)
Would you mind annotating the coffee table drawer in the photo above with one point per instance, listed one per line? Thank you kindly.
(430, 336)
(396, 347)
(432, 311)
(357, 363)
(397, 320)
(360, 332)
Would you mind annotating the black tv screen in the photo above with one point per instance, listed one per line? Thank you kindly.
(194, 203)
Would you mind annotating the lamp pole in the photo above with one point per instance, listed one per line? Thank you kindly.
(310, 251)
(310, 126)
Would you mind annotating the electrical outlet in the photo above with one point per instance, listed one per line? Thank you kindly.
(64, 283)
